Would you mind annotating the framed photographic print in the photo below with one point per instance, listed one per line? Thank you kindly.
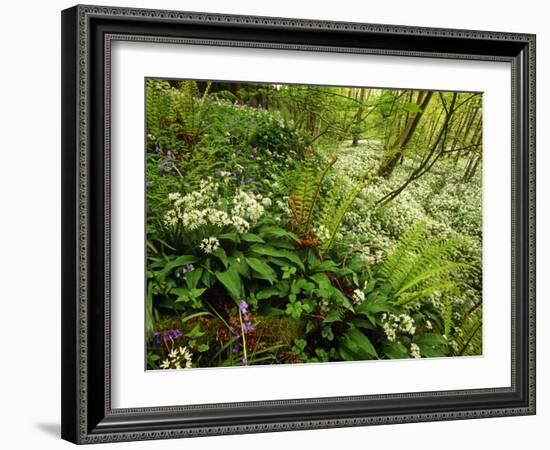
(281, 224)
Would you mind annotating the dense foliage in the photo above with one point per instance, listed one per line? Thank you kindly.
(291, 224)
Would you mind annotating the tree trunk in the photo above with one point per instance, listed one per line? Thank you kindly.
(356, 131)
(396, 151)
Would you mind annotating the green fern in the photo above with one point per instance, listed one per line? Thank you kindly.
(157, 103)
(339, 202)
(399, 261)
(468, 337)
(419, 267)
(176, 110)
(447, 314)
(304, 198)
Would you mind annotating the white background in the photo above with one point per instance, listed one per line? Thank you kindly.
(30, 226)
(133, 387)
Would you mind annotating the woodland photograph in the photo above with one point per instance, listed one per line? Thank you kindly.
(310, 224)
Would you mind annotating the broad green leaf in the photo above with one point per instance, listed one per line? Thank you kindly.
(431, 345)
(369, 307)
(279, 290)
(267, 250)
(354, 342)
(396, 350)
(250, 237)
(231, 279)
(178, 262)
(192, 278)
(263, 269)
(325, 266)
(273, 231)
(233, 237)
(220, 253)
(332, 316)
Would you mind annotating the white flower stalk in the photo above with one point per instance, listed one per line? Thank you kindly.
(178, 358)
(207, 207)
(358, 296)
(392, 325)
(414, 351)
(209, 245)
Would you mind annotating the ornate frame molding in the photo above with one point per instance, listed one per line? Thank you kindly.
(84, 421)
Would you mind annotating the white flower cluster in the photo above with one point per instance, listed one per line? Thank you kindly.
(248, 205)
(322, 232)
(393, 324)
(358, 296)
(283, 205)
(324, 306)
(370, 257)
(209, 245)
(178, 358)
(206, 207)
(415, 351)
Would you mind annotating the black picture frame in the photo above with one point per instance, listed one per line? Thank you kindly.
(87, 416)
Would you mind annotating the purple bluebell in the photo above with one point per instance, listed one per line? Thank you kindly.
(176, 334)
(243, 308)
(167, 165)
(166, 335)
(187, 268)
(170, 155)
(157, 149)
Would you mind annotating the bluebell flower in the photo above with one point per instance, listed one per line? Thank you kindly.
(243, 308)
(166, 335)
(188, 268)
(167, 165)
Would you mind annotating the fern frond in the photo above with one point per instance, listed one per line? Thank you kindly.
(334, 212)
(447, 315)
(428, 272)
(469, 336)
(304, 198)
(398, 264)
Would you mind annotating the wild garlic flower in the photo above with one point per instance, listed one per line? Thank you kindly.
(393, 324)
(414, 351)
(358, 296)
(178, 358)
(322, 232)
(390, 331)
(207, 207)
(208, 245)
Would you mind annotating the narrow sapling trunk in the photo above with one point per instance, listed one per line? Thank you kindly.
(395, 153)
